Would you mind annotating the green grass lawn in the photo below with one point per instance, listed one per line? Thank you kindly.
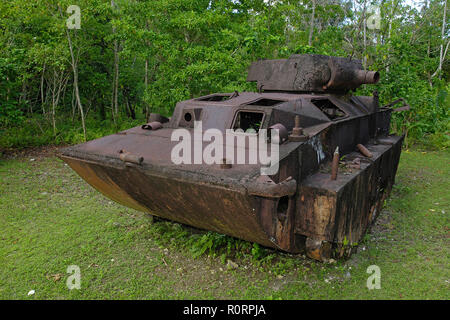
(50, 219)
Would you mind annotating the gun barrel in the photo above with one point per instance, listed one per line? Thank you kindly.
(367, 77)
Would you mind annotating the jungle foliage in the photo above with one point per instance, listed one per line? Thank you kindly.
(129, 58)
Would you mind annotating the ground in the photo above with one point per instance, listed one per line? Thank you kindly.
(51, 219)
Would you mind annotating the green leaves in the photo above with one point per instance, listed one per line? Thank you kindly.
(171, 50)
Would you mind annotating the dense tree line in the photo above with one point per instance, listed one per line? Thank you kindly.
(130, 57)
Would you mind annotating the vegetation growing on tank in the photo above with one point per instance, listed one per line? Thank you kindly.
(248, 120)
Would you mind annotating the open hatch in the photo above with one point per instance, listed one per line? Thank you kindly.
(332, 111)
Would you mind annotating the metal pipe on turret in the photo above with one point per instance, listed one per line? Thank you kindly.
(367, 77)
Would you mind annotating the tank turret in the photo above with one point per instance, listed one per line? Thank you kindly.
(310, 73)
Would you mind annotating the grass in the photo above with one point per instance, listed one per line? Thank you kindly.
(50, 219)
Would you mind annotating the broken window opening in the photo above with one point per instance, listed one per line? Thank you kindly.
(215, 97)
(266, 102)
(329, 109)
(248, 120)
(283, 204)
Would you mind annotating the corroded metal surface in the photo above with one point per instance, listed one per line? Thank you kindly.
(306, 205)
(310, 73)
(339, 211)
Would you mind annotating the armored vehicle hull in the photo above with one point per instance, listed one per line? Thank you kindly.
(318, 201)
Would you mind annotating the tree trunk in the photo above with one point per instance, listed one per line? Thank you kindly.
(116, 77)
(146, 87)
(75, 84)
(54, 103)
(130, 109)
(42, 91)
(311, 23)
(364, 36)
(115, 99)
(442, 51)
(59, 84)
(391, 17)
(77, 95)
(75, 77)
(74, 105)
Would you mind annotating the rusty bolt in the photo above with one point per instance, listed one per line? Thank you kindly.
(130, 158)
(297, 130)
(364, 151)
(335, 164)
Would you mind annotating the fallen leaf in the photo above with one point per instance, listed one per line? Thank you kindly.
(54, 277)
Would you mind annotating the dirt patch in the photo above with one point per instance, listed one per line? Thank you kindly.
(382, 225)
(30, 152)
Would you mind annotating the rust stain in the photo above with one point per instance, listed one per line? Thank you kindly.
(104, 185)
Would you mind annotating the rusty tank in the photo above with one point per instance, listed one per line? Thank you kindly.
(336, 159)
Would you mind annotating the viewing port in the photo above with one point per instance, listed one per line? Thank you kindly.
(329, 109)
(215, 97)
(266, 102)
(246, 120)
